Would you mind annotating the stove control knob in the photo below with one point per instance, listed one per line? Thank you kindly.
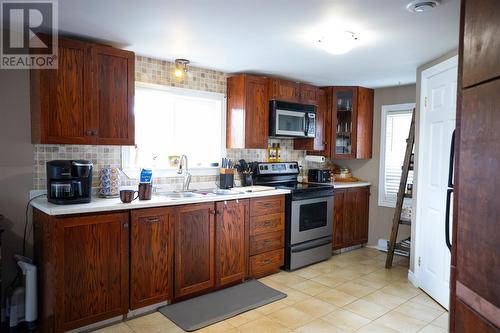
(261, 167)
(265, 167)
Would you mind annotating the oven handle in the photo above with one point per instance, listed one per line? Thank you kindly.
(311, 244)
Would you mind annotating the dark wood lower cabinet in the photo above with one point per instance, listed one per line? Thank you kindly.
(194, 249)
(351, 213)
(151, 256)
(231, 236)
(83, 262)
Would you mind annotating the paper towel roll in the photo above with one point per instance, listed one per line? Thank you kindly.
(314, 158)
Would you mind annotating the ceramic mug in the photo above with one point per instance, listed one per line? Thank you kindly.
(127, 196)
(109, 182)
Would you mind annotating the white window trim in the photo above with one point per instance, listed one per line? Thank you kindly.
(134, 173)
(382, 200)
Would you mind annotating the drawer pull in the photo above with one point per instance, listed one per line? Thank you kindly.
(267, 261)
(267, 241)
(268, 223)
(153, 219)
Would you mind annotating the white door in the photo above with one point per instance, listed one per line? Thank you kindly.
(437, 122)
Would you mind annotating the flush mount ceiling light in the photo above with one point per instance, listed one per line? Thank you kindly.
(338, 42)
(420, 6)
(181, 68)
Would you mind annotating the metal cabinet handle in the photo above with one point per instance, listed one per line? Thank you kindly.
(153, 219)
(268, 261)
(268, 223)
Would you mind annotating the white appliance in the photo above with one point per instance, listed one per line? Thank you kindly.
(22, 305)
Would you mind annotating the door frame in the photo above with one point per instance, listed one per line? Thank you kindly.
(426, 74)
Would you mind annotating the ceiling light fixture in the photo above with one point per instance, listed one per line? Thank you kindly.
(420, 6)
(338, 42)
(181, 68)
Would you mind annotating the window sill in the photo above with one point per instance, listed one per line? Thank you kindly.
(172, 173)
(388, 204)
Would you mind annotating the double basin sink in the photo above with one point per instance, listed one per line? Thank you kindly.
(176, 195)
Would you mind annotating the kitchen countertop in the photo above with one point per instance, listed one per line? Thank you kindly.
(104, 205)
(350, 184)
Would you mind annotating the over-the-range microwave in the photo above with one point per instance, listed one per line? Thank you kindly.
(292, 120)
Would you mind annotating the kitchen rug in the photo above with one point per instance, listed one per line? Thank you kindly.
(201, 311)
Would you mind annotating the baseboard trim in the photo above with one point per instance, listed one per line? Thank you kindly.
(412, 278)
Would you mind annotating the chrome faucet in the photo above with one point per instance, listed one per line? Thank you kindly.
(187, 175)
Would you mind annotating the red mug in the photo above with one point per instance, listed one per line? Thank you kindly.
(127, 196)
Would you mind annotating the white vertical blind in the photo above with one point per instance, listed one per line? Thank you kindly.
(396, 122)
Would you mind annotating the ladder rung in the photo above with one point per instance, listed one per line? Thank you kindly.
(405, 222)
(408, 195)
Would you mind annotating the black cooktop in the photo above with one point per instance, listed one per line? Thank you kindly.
(296, 187)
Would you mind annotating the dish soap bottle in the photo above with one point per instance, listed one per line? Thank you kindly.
(278, 153)
(271, 153)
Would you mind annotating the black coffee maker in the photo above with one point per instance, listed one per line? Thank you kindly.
(69, 181)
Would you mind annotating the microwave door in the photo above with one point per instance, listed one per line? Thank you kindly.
(290, 123)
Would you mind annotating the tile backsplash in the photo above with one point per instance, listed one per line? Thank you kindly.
(156, 71)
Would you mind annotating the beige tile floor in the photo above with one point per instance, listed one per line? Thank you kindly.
(351, 292)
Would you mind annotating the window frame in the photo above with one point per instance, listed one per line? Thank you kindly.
(134, 173)
(383, 201)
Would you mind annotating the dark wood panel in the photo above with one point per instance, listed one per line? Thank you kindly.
(194, 249)
(478, 231)
(338, 219)
(235, 112)
(151, 256)
(257, 112)
(481, 58)
(267, 242)
(267, 205)
(469, 321)
(284, 90)
(60, 98)
(267, 223)
(360, 213)
(364, 123)
(318, 144)
(266, 263)
(92, 269)
(114, 100)
(231, 236)
(308, 94)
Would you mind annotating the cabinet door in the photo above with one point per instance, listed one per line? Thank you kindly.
(256, 126)
(338, 219)
(231, 235)
(151, 256)
(308, 94)
(360, 208)
(364, 123)
(318, 144)
(344, 106)
(194, 249)
(92, 269)
(481, 58)
(283, 90)
(60, 98)
(113, 95)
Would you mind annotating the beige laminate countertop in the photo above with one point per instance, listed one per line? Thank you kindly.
(104, 205)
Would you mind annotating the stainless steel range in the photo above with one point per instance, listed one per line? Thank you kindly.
(309, 213)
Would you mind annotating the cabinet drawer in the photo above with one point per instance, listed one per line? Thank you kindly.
(267, 205)
(266, 263)
(266, 223)
(267, 242)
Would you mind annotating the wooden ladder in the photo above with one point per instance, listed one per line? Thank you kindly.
(396, 221)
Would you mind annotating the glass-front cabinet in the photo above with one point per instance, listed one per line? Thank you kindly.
(344, 116)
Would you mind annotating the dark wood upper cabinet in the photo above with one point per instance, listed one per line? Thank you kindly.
(88, 99)
(351, 127)
(151, 256)
(284, 90)
(309, 94)
(319, 143)
(194, 249)
(231, 235)
(247, 112)
(114, 97)
(481, 45)
(61, 99)
(350, 220)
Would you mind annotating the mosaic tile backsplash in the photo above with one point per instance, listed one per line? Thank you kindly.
(156, 71)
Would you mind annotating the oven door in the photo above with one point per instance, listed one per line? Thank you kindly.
(290, 123)
(311, 219)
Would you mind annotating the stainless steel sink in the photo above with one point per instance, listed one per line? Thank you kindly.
(179, 195)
